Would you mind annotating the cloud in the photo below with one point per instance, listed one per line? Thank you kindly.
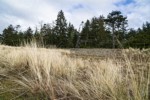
(137, 12)
(30, 12)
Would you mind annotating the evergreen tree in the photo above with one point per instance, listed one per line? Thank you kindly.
(37, 36)
(71, 35)
(118, 24)
(46, 34)
(10, 36)
(102, 36)
(139, 38)
(99, 35)
(84, 37)
(97, 32)
(60, 30)
(94, 34)
(21, 37)
(1, 38)
(28, 35)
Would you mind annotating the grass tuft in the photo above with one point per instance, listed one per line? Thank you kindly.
(34, 73)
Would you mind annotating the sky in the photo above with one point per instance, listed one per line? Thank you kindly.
(35, 12)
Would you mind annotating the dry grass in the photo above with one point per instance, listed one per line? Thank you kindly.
(54, 74)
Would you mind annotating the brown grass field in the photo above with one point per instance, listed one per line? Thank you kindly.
(33, 73)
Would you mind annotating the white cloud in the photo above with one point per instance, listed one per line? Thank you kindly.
(137, 12)
(31, 12)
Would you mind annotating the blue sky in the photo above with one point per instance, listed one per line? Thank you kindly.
(125, 2)
(33, 12)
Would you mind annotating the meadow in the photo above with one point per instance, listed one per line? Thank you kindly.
(35, 73)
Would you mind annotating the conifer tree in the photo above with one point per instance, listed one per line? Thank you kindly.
(28, 34)
(71, 35)
(118, 23)
(84, 37)
(10, 36)
(60, 30)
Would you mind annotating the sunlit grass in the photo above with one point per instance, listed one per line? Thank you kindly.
(37, 73)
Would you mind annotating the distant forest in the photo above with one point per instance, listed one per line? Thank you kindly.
(98, 32)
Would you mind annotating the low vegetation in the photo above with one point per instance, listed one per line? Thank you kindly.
(32, 73)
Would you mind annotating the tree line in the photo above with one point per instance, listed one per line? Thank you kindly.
(98, 32)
